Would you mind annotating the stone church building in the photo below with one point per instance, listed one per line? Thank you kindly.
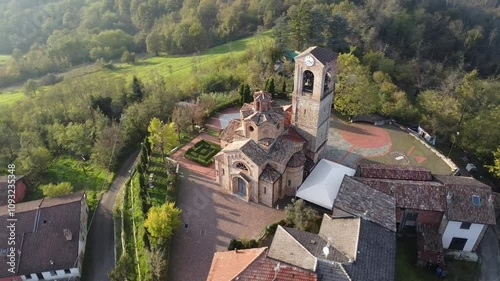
(267, 153)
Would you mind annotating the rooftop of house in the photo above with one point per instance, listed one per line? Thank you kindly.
(429, 244)
(470, 204)
(357, 249)
(361, 200)
(4, 184)
(232, 132)
(47, 233)
(463, 199)
(396, 172)
(254, 264)
(419, 195)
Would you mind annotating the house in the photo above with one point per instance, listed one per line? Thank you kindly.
(446, 212)
(50, 237)
(20, 189)
(254, 264)
(268, 151)
(346, 248)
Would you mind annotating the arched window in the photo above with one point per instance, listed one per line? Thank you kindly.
(328, 80)
(241, 166)
(308, 83)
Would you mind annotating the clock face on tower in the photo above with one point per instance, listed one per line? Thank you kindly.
(309, 61)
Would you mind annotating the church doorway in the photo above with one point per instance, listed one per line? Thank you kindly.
(242, 187)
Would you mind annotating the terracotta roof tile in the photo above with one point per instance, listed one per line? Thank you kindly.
(264, 269)
(227, 265)
(429, 244)
(419, 195)
(395, 172)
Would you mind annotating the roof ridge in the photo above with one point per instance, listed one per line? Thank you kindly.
(315, 258)
(345, 272)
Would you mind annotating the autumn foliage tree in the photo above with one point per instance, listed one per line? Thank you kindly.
(162, 220)
(162, 136)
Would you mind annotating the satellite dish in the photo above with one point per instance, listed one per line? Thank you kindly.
(326, 251)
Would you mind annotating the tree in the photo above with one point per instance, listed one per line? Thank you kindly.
(495, 168)
(181, 119)
(154, 42)
(137, 89)
(34, 161)
(355, 92)
(300, 22)
(52, 190)
(162, 220)
(300, 216)
(270, 87)
(30, 87)
(283, 87)
(128, 57)
(124, 269)
(162, 136)
(157, 264)
(107, 146)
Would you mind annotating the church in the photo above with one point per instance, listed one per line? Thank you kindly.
(270, 149)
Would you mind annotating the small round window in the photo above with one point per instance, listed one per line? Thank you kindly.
(251, 128)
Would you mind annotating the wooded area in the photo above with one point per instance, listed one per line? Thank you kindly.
(434, 62)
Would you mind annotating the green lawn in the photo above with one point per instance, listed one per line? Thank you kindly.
(66, 169)
(11, 97)
(169, 66)
(406, 269)
(3, 59)
(404, 143)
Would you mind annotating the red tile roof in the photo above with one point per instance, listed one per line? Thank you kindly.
(227, 265)
(254, 265)
(266, 269)
(395, 172)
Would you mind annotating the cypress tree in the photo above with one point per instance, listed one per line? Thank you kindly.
(247, 95)
(242, 93)
(283, 88)
(271, 87)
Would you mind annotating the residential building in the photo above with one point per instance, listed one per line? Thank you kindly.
(446, 212)
(20, 189)
(50, 238)
(267, 152)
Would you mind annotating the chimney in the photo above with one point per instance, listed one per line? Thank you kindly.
(449, 196)
(491, 199)
(67, 234)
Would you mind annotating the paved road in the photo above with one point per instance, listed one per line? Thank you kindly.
(489, 252)
(101, 233)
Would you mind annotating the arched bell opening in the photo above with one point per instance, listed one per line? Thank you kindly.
(308, 81)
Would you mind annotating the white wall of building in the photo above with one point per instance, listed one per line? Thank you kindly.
(453, 230)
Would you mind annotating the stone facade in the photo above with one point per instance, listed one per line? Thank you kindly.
(264, 153)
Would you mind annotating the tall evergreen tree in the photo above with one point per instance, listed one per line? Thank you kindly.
(137, 89)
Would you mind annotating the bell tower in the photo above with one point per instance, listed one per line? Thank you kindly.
(312, 98)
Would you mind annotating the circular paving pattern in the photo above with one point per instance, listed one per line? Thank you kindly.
(366, 136)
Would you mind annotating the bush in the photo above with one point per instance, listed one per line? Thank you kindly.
(242, 244)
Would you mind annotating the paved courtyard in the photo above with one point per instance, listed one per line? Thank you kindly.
(214, 217)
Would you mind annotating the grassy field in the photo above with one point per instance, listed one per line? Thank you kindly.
(3, 59)
(409, 147)
(406, 269)
(170, 66)
(11, 97)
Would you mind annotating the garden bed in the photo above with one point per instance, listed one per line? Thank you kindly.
(202, 152)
